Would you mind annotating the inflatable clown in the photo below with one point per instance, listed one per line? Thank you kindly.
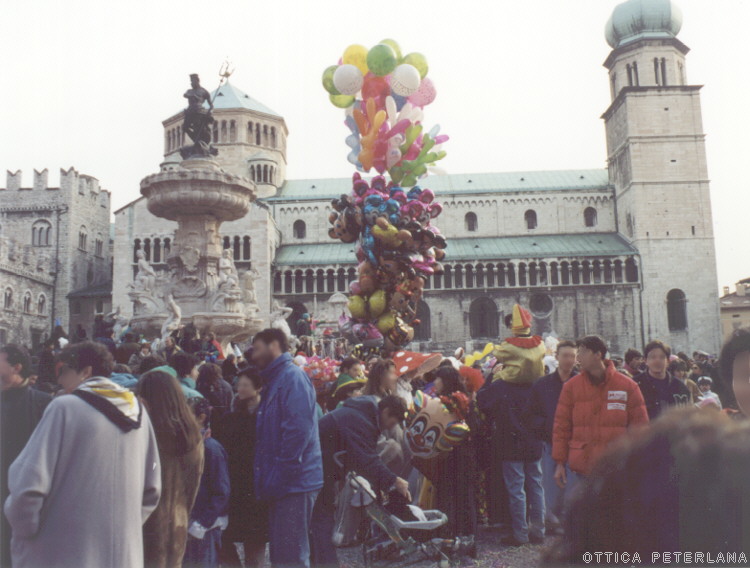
(437, 424)
(522, 355)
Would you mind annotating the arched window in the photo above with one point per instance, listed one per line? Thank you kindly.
(157, 250)
(232, 131)
(223, 130)
(299, 229)
(215, 133)
(250, 132)
(82, 238)
(41, 305)
(245, 248)
(273, 137)
(471, 221)
(298, 308)
(252, 173)
(257, 135)
(237, 248)
(483, 319)
(589, 217)
(27, 302)
(8, 299)
(631, 271)
(530, 218)
(423, 331)
(677, 310)
(40, 233)
(277, 282)
(265, 135)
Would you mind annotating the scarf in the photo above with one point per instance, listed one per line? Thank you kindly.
(118, 404)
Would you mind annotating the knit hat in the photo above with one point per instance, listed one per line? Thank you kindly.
(414, 364)
(346, 380)
(521, 322)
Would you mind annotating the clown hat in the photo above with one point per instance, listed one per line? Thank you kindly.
(345, 380)
(414, 364)
(521, 322)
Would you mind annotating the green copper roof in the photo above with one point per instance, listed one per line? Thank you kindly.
(490, 248)
(643, 19)
(230, 97)
(460, 183)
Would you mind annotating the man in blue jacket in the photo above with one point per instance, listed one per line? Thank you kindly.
(288, 463)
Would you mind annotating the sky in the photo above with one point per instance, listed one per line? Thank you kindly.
(521, 85)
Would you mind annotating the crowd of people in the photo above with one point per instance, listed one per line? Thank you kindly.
(128, 452)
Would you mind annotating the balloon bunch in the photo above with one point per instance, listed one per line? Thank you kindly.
(322, 372)
(398, 247)
(384, 93)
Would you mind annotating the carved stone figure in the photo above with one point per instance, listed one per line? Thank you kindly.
(145, 278)
(174, 317)
(228, 276)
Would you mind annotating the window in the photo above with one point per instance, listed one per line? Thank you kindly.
(530, 218)
(635, 74)
(8, 299)
(663, 71)
(40, 233)
(41, 305)
(82, 238)
(99, 247)
(483, 319)
(27, 302)
(299, 230)
(423, 331)
(589, 217)
(630, 75)
(99, 307)
(677, 310)
(657, 78)
(471, 221)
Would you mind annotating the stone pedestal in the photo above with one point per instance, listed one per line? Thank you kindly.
(203, 286)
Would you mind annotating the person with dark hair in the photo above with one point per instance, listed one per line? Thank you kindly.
(456, 474)
(181, 454)
(679, 370)
(633, 362)
(106, 338)
(353, 428)
(47, 379)
(708, 398)
(208, 517)
(21, 409)
(127, 348)
(248, 517)
(382, 378)
(539, 415)
(659, 388)
(350, 383)
(89, 474)
(151, 362)
(596, 407)
(211, 348)
(136, 358)
(288, 466)
(734, 365)
(59, 338)
(214, 388)
(186, 366)
(229, 368)
(679, 485)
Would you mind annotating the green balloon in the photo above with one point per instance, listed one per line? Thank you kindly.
(419, 61)
(394, 46)
(328, 80)
(381, 59)
(342, 101)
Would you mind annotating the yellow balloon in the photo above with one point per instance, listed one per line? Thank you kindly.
(356, 55)
(377, 303)
(358, 307)
(386, 322)
(419, 61)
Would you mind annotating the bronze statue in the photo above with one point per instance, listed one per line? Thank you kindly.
(198, 120)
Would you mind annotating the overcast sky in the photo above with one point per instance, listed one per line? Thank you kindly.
(520, 84)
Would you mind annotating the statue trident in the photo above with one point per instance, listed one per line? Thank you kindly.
(198, 119)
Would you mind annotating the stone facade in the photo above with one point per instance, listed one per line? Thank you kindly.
(26, 292)
(735, 308)
(62, 237)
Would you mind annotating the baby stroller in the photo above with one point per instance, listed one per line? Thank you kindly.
(393, 540)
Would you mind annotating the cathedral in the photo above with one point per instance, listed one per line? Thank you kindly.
(606, 251)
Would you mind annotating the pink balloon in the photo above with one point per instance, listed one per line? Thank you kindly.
(425, 94)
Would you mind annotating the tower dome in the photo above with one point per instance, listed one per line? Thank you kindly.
(639, 19)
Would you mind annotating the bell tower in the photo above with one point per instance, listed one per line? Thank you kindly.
(657, 164)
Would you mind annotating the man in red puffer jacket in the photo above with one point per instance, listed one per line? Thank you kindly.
(595, 407)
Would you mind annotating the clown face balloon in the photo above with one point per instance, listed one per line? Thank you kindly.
(434, 428)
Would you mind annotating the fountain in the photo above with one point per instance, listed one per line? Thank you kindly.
(203, 286)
